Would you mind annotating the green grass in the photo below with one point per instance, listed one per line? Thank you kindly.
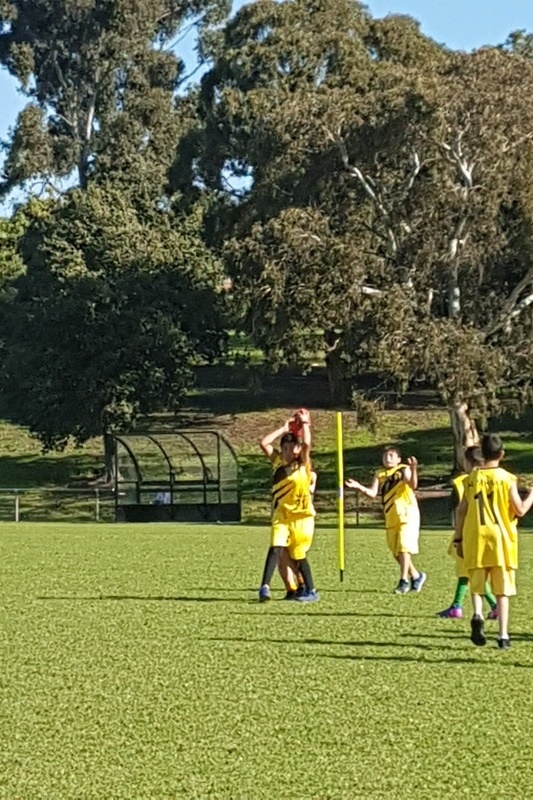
(138, 664)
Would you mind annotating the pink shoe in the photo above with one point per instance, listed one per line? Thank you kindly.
(453, 612)
(493, 613)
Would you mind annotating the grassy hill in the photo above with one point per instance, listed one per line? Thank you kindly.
(420, 431)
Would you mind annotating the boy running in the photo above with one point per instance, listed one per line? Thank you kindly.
(396, 484)
(486, 536)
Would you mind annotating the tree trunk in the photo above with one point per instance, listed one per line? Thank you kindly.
(338, 394)
(109, 458)
(464, 429)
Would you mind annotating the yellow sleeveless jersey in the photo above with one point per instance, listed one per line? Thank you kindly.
(399, 502)
(490, 529)
(458, 489)
(291, 495)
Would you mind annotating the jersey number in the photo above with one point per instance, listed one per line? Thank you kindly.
(482, 507)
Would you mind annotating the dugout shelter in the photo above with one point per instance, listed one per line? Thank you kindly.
(178, 476)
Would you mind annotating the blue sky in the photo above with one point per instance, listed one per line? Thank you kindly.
(459, 24)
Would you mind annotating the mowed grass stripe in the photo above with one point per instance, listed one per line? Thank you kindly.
(137, 663)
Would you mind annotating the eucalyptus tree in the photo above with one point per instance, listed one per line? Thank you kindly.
(385, 213)
(100, 79)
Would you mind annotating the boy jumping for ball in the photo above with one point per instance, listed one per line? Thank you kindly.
(293, 513)
(486, 536)
(396, 484)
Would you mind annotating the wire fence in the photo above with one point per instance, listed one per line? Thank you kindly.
(94, 504)
(54, 504)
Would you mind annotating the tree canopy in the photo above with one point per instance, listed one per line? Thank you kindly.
(100, 79)
(368, 190)
(388, 211)
(108, 319)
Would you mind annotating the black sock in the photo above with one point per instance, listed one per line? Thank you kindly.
(270, 564)
(305, 569)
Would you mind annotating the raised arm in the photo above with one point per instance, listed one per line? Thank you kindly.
(306, 443)
(410, 475)
(266, 443)
(369, 491)
(520, 507)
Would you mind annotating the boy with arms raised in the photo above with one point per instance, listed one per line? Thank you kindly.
(396, 483)
(486, 536)
(293, 513)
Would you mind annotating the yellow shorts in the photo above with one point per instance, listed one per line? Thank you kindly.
(296, 534)
(503, 581)
(460, 569)
(403, 538)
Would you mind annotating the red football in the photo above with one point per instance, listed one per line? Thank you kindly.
(295, 425)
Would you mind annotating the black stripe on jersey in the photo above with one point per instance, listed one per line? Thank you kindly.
(276, 500)
(278, 497)
(390, 484)
(283, 472)
(388, 508)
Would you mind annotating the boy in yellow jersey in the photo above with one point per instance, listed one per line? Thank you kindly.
(293, 513)
(396, 483)
(486, 535)
(455, 611)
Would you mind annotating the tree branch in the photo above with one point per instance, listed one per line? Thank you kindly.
(513, 307)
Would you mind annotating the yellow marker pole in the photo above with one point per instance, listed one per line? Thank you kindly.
(340, 486)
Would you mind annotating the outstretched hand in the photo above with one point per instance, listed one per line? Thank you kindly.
(304, 416)
(351, 483)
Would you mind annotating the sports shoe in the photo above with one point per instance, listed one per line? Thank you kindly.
(504, 644)
(402, 588)
(493, 613)
(309, 597)
(417, 583)
(264, 594)
(291, 595)
(477, 635)
(453, 612)
(301, 590)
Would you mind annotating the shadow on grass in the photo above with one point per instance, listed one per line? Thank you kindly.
(338, 613)
(412, 660)
(422, 659)
(24, 472)
(153, 598)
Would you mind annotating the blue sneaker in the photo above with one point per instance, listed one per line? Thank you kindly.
(402, 588)
(264, 594)
(417, 583)
(309, 597)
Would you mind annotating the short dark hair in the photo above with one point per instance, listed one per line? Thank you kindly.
(392, 448)
(473, 455)
(491, 446)
(290, 438)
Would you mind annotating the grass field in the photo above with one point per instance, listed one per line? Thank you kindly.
(137, 663)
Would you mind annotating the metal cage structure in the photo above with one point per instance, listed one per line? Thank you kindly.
(177, 476)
